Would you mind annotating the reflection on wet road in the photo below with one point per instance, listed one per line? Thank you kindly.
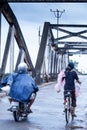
(48, 111)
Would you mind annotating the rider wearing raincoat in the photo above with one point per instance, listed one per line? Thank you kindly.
(22, 85)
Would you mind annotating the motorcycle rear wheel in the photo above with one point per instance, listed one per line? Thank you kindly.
(16, 116)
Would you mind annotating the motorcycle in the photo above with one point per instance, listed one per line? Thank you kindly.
(19, 109)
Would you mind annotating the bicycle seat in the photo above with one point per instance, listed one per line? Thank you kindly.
(68, 94)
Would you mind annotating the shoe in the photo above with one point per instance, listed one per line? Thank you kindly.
(73, 111)
(10, 109)
(74, 115)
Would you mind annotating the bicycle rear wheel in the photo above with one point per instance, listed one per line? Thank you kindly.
(72, 115)
(67, 115)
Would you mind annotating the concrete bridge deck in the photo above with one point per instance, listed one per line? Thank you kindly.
(48, 111)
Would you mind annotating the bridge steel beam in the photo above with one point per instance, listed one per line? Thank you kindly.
(19, 59)
(54, 69)
(78, 52)
(68, 25)
(51, 64)
(7, 47)
(73, 43)
(41, 52)
(69, 33)
(0, 36)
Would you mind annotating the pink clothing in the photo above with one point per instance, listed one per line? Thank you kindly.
(77, 89)
(60, 83)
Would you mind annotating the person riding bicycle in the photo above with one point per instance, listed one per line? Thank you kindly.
(70, 77)
(22, 86)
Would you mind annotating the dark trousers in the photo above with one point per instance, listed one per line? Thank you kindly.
(73, 97)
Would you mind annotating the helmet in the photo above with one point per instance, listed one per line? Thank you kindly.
(71, 65)
(22, 67)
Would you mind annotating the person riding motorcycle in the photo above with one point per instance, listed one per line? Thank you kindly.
(22, 86)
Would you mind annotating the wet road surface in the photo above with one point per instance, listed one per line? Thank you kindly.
(48, 111)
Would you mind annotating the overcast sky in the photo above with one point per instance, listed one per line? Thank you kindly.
(40, 12)
(31, 16)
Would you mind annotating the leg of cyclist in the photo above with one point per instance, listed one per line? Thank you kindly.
(73, 103)
(65, 92)
(64, 96)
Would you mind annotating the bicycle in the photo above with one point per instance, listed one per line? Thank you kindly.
(67, 107)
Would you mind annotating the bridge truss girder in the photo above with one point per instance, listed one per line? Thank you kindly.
(60, 55)
(12, 21)
(69, 45)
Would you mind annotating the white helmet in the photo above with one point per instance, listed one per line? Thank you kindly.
(22, 66)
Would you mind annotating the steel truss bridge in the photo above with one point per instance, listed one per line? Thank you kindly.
(55, 48)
